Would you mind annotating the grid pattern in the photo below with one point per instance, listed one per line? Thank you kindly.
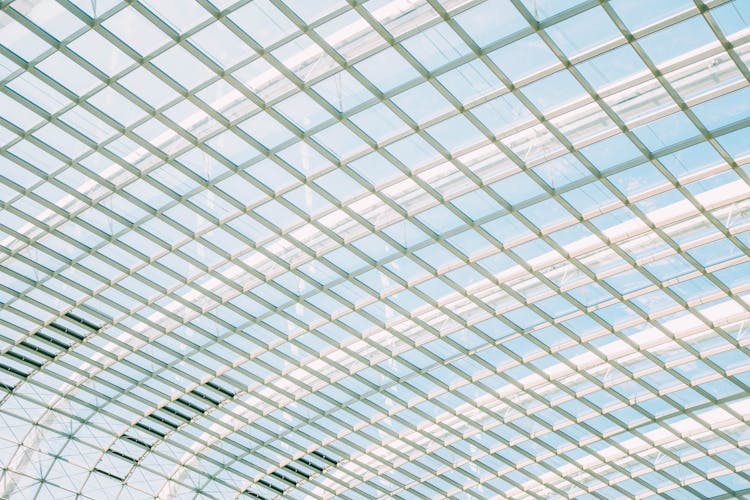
(385, 248)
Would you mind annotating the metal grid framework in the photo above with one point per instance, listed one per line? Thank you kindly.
(385, 248)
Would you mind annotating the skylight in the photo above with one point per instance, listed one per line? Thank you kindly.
(366, 249)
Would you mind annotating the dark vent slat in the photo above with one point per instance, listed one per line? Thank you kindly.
(177, 413)
(136, 441)
(311, 464)
(254, 495)
(220, 389)
(163, 420)
(82, 321)
(122, 455)
(271, 486)
(150, 430)
(67, 331)
(205, 397)
(17, 373)
(298, 471)
(51, 340)
(108, 474)
(282, 477)
(23, 359)
(42, 352)
(192, 406)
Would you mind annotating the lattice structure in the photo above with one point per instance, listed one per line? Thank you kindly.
(364, 249)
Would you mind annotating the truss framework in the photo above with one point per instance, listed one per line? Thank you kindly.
(403, 248)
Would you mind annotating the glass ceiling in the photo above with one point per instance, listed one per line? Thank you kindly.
(386, 248)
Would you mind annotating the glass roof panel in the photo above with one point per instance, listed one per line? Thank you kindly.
(386, 248)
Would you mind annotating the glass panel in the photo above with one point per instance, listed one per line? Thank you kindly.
(395, 248)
